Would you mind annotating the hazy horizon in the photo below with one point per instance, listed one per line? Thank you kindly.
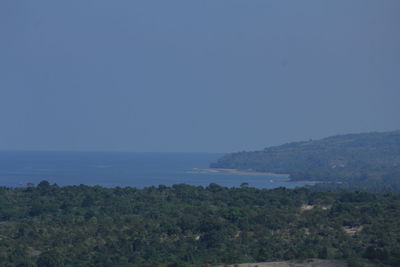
(203, 76)
(173, 152)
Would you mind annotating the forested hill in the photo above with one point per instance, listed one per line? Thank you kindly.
(347, 158)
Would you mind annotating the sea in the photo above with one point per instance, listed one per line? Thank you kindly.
(123, 169)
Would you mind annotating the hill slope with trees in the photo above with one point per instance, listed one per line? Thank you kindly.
(353, 159)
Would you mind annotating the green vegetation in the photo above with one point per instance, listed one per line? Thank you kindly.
(183, 225)
(369, 161)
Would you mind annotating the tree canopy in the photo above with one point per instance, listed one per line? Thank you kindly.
(182, 225)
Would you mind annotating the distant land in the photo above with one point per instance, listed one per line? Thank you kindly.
(366, 160)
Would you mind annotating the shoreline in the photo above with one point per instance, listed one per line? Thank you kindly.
(270, 174)
(239, 172)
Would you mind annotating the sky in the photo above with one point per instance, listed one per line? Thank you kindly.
(195, 76)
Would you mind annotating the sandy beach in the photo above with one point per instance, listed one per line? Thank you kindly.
(239, 172)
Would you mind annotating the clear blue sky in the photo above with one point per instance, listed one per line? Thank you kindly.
(176, 76)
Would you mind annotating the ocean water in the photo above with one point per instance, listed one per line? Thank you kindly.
(111, 169)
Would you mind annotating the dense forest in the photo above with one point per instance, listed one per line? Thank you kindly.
(182, 225)
(369, 161)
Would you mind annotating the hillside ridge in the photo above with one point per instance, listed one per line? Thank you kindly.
(348, 158)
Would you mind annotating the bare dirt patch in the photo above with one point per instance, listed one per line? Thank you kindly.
(352, 230)
(293, 263)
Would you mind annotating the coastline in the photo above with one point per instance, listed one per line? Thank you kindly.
(270, 174)
(239, 172)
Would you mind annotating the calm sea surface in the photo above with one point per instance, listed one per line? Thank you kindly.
(122, 169)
